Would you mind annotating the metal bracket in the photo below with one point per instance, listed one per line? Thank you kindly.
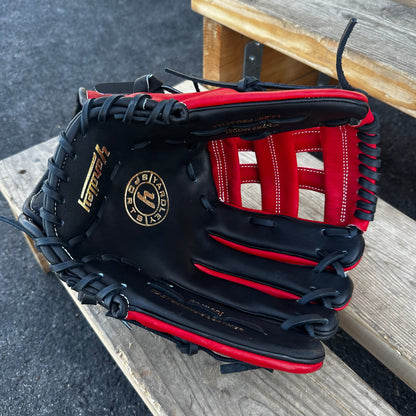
(323, 80)
(253, 55)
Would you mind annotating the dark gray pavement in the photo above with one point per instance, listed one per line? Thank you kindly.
(51, 362)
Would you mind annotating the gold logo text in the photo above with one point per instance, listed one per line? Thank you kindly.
(146, 199)
(90, 189)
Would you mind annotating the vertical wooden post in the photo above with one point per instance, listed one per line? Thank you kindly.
(224, 53)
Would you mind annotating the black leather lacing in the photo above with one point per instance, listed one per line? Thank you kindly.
(244, 85)
(369, 136)
(331, 259)
(328, 260)
(324, 295)
(232, 366)
(17, 225)
(340, 51)
(307, 321)
(140, 108)
(91, 290)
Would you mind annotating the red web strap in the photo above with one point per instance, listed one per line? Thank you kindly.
(280, 177)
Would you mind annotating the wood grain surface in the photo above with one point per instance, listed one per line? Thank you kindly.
(380, 53)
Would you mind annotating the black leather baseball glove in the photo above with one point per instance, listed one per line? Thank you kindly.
(141, 211)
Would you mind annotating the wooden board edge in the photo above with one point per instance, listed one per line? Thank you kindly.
(379, 347)
(117, 353)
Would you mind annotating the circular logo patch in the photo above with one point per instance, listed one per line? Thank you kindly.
(146, 199)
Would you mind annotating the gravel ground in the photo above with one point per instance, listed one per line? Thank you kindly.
(51, 362)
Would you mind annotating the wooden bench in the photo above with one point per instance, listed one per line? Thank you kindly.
(173, 384)
(300, 40)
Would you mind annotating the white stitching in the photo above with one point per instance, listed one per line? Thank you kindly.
(313, 188)
(314, 171)
(249, 165)
(213, 144)
(310, 149)
(32, 199)
(321, 172)
(294, 133)
(275, 174)
(219, 171)
(226, 190)
(344, 173)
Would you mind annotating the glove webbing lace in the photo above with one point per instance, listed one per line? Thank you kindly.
(369, 137)
(139, 108)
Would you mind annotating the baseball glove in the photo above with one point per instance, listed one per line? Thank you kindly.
(140, 211)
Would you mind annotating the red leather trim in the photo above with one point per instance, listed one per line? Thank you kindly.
(285, 258)
(248, 357)
(342, 307)
(258, 286)
(95, 94)
(224, 96)
(278, 293)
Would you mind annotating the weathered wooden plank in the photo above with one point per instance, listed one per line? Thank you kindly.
(170, 383)
(223, 57)
(18, 176)
(380, 53)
